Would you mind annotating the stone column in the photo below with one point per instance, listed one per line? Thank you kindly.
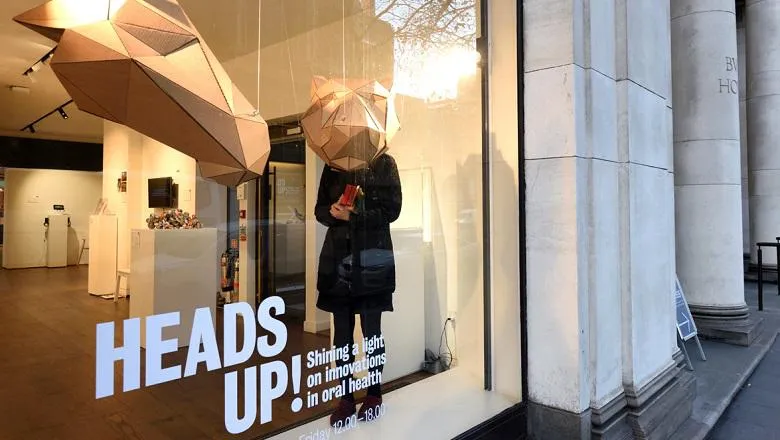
(707, 165)
(762, 23)
(743, 138)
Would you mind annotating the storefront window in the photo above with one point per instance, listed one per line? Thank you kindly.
(303, 300)
(392, 282)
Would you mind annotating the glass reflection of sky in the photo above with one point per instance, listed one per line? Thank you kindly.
(435, 44)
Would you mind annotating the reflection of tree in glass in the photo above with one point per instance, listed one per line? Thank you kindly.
(434, 41)
(430, 23)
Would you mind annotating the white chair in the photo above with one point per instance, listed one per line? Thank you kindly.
(122, 273)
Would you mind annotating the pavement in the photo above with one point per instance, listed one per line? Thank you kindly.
(754, 412)
(738, 388)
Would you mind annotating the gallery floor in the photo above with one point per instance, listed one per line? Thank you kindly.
(47, 371)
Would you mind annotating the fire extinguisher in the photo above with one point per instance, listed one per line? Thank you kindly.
(223, 263)
(234, 293)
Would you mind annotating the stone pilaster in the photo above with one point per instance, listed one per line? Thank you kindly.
(658, 394)
(599, 217)
(572, 213)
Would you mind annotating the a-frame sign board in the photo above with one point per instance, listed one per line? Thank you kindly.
(686, 328)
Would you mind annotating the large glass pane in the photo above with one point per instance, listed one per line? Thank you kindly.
(302, 299)
(330, 63)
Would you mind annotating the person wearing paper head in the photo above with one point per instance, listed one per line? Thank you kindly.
(356, 274)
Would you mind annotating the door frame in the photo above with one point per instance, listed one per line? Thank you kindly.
(281, 131)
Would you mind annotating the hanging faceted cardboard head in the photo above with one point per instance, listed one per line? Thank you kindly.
(142, 63)
(349, 124)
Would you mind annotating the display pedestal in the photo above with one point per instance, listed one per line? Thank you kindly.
(404, 328)
(102, 254)
(290, 250)
(173, 271)
(57, 241)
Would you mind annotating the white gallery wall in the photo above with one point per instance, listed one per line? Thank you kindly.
(211, 208)
(125, 150)
(438, 151)
(29, 197)
(142, 158)
(116, 153)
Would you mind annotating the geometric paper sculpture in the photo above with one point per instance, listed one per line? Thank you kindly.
(143, 64)
(349, 124)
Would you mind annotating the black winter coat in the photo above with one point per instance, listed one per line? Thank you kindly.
(367, 230)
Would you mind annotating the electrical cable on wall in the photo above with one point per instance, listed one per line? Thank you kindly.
(437, 363)
(444, 338)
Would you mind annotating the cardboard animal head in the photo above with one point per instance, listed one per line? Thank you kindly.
(143, 64)
(350, 123)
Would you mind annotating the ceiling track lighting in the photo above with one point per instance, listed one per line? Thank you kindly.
(38, 65)
(60, 110)
(30, 76)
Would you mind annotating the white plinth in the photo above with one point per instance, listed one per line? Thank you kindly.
(102, 254)
(172, 271)
(404, 328)
(57, 241)
(290, 253)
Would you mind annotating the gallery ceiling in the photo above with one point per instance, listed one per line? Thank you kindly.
(230, 28)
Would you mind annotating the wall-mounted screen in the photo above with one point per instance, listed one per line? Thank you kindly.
(161, 192)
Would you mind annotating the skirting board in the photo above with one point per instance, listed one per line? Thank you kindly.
(122, 294)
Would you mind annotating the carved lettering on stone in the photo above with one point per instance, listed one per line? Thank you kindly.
(731, 64)
(728, 85)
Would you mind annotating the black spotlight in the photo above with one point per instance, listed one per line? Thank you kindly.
(32, 129)
(62, 113)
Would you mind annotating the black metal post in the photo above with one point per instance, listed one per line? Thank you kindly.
(522, 224)
(272, 227)
(483, 47)
(777, 263)
(760, 279)
(258, 235)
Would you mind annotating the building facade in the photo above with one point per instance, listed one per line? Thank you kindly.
(563, 164)
(647, 159)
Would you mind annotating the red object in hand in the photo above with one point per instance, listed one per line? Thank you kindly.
(349, 195)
